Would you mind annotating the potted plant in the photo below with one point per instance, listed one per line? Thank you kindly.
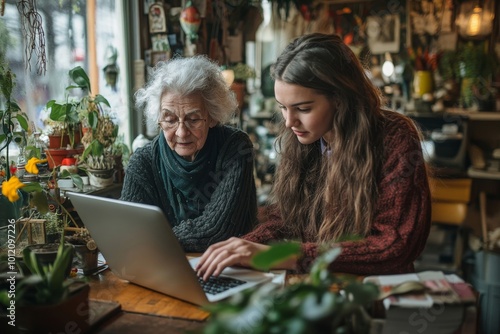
(98, 159)
(66, 118)
(86, 251)
(11, 119)
(448, 67)
(315, 305)
(45, 298)
(476, 68)
(242, 72)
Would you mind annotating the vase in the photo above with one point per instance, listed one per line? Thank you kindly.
(239, 89)
(87, 258)
(423, 83)
(101, 178)
(55, 156)
(62, 141)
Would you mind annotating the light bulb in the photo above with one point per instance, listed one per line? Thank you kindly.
(388, 68)
(474, 24)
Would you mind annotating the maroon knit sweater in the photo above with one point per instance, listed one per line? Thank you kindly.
(402, 220)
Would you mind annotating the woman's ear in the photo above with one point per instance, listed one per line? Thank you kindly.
(212, 122)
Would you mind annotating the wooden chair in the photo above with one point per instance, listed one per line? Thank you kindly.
(450, 199)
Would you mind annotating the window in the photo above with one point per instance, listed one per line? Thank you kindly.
(90, 34)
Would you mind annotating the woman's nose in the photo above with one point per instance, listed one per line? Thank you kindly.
(182, 130)
(290, 120)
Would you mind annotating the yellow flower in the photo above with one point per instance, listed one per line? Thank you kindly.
(9, 188)
(31, 165)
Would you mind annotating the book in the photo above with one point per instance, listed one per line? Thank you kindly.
(426, 302)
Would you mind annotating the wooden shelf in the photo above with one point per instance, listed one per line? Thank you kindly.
(475, 115)
(483, 174)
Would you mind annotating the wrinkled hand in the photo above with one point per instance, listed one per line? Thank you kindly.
(232, 252)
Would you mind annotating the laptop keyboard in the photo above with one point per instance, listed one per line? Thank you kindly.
(216, 285)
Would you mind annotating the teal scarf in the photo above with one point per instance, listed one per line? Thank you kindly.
(188, 184)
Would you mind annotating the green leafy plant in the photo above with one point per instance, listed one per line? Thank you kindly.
(68, 115)
(476, 68)
(242, 72)
(12, 119)
(44, 284)
(322, 303)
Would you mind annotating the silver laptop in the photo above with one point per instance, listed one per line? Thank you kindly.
(139, 246)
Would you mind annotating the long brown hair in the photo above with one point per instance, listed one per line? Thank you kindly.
(334, 195)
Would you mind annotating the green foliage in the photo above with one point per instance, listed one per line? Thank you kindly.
(45, 284)
(448, 65)
(311, 306)
(475, 62)
(11, 115)
(275, 255)
(69, 114)
(242, 72)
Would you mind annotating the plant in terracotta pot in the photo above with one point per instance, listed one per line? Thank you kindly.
(242, 72)
(79, 108)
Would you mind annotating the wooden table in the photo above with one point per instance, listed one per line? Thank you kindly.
(141, 310)
(125, 307)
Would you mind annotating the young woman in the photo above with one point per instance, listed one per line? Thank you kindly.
(348, 168)
(197, 170)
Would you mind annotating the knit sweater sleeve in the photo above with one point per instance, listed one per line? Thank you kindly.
(139, 185)
(401, 224)
(232, 208)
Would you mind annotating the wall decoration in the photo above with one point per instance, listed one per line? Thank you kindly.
(111, 70)
(190, 21)
(383, 33)
(147, 4)
(157, 20)
(157, 56)
(160, 42)
(427, 21)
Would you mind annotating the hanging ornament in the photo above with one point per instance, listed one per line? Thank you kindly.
(111, 70)
(190, 21)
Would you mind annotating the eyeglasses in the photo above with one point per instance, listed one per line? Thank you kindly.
(190, 123)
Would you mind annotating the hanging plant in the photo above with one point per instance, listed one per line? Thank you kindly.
(32, 30)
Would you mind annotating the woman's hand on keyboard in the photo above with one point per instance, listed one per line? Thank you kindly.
(232, 252)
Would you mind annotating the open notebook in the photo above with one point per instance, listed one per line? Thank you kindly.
(139, 246)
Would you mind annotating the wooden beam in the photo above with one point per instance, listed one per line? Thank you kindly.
(92, 47)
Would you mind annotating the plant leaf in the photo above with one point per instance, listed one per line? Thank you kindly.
(319, 271)
(93, 119)
(276, 254)
(39, 200)
(32, 186)
(101, 99)
(362, 294)
(79, 76)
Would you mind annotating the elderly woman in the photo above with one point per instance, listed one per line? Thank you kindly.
(197, 170)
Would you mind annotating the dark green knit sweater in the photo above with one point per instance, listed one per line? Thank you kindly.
(232, 208)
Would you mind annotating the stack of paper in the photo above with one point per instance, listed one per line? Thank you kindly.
(426, 302)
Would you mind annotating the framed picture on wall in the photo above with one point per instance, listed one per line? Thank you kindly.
(157, 19)
(160, 42)
(157, 56)
(428, 22)
(383, 33)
